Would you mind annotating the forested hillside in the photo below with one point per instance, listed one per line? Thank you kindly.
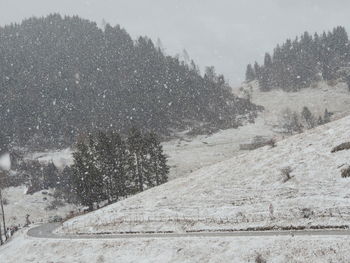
(60, 77)
(297, 63)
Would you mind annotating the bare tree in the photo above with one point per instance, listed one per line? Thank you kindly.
(2, 186)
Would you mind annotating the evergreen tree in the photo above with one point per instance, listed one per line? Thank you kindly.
(4, 143)
(34, 171)
(112, 158)
(107, 167)
(158, 167)
(308, 118)
(50, 176)
(104, 79)
(290, 122)
(250, 74)
(136, 160)
(104, 163)
(121, 171)
(88, 181)
(327, 116)
(265, 82)
(66, 185)
(257, 70)
(296, 64)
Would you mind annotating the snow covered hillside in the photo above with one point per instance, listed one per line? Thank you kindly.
(187, 154)
(317, 98)
(245, 191)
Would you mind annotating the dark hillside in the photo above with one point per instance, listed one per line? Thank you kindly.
(60, 77)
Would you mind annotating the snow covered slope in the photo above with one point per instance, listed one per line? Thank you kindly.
(242, 191)
(188, 154)
(317, 98)
(193, 153)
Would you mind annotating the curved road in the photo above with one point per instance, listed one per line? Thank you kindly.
(46, 231)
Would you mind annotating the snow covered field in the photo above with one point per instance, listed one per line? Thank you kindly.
(237, 193)
(246, 249)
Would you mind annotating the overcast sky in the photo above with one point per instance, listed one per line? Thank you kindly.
(227, 34)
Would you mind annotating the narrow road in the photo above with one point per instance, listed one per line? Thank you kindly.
(46, 231)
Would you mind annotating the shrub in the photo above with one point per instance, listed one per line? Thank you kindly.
(55, 204)
(290, 122)
(259, 259)
(308, 118)
(307, 212)
(272, 143)
(345, 172)
(285, 172)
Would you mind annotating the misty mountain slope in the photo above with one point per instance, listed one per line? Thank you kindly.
(238, 192)
(209, 149)
(64, 76)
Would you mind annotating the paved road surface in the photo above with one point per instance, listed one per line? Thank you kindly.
(46, 231)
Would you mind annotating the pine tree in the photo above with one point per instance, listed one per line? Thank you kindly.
(290, 122)
(308, 118)
(92, 84)
(327, 116)
(50, 176)
(250, 74)
(158, 167)
(4, 143)
(66, 186)
(88, 181)
(121, 174)
(136, 147)
(257, 70)
(112, 159)
(36, 176)
(266, 74)
(296, 64)
(104, 164)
